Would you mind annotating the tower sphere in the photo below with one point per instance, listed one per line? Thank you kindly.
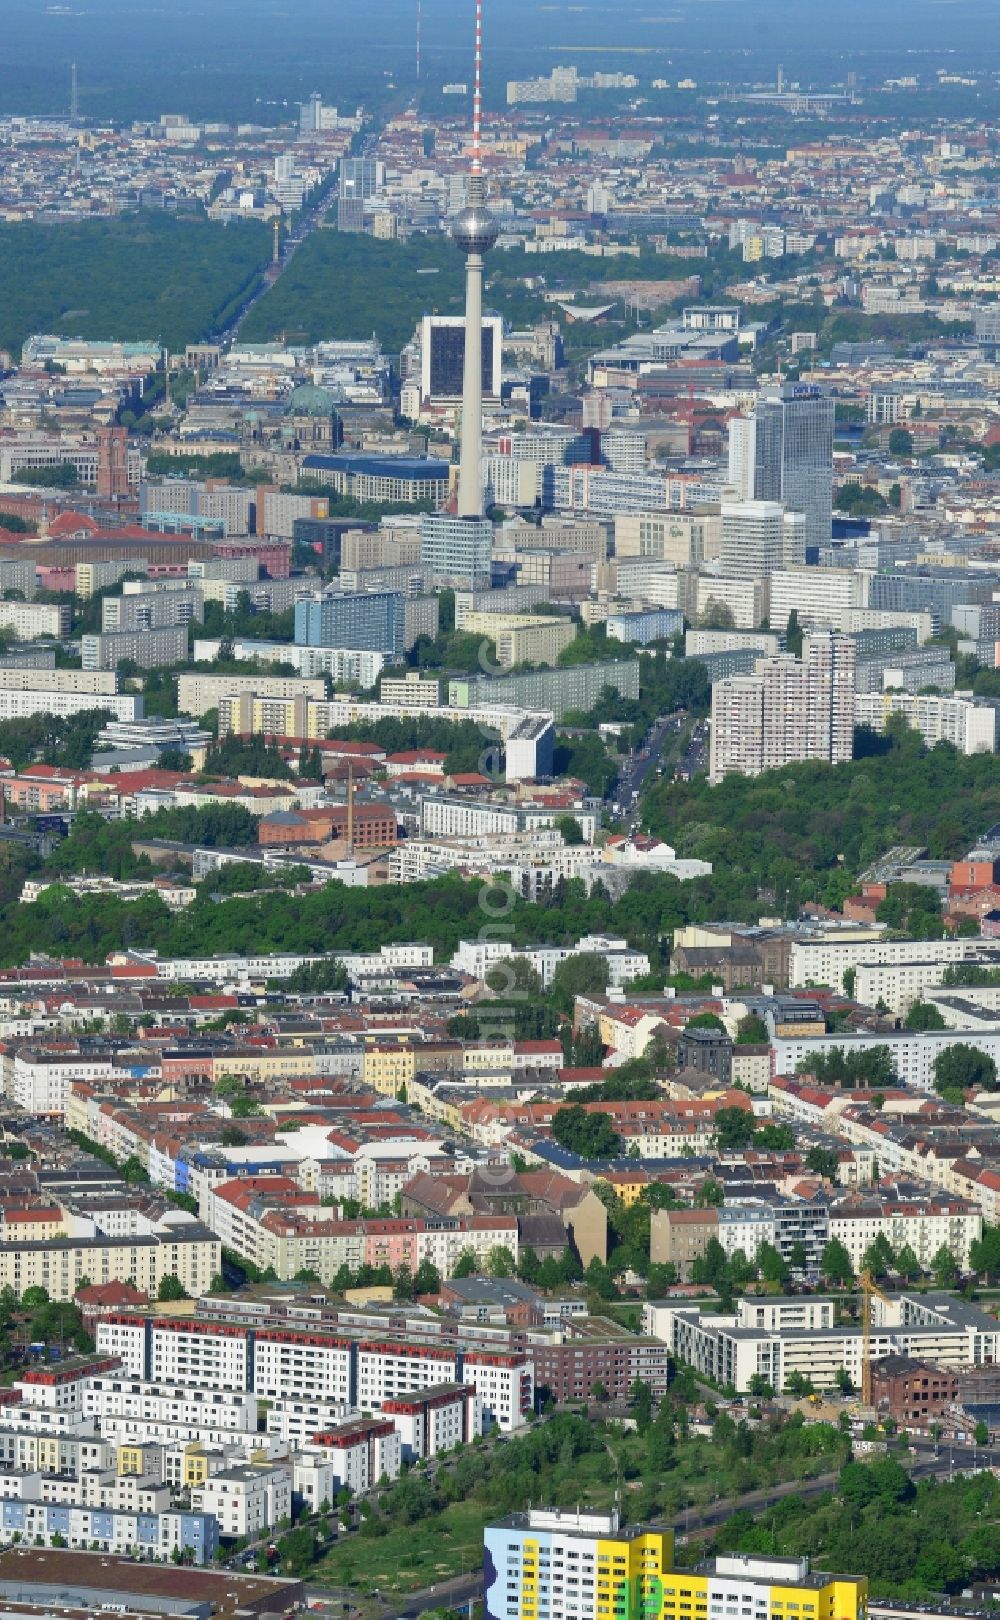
(475, 230)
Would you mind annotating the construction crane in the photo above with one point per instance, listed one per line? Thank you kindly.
(870, 1291)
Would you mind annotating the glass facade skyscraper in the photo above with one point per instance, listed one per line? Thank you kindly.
(784, 452)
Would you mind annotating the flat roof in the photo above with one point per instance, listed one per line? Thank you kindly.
(381, 466)
(148, 1587)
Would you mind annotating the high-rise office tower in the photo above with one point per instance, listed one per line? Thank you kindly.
(311, 114)
(442, 357)
(360, 180)
(458, 550)
(361, 177)
(742, 467)
(784, 452)
(474, 232)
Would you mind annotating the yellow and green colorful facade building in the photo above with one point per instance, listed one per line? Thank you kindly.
(549, 1565)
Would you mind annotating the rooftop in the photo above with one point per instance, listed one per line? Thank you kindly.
(149, 1588)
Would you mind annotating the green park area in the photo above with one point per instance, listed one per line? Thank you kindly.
(146, 277)
(912, 1539)
(348, 286)
(424, 1529)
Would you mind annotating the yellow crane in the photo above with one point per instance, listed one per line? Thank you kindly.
(869, 1290)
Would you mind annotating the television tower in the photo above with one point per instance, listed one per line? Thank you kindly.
(74, 95)
(474, 232)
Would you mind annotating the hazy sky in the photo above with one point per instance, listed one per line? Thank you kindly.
(142, 52)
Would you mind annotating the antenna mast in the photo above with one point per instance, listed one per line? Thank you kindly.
(74, 97)
(477, 98)
(419, 18)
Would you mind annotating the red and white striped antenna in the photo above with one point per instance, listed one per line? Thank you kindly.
(477, 96)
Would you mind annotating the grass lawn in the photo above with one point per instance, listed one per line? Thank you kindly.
(412, 1557)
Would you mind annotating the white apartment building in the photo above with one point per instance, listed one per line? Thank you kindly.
(510, 482)
(39, 1081)
(30, 619)
(926, 1226)
(314, 1478)
(294, 1422)
(412, 691)
(213, 1355)
(745, 599)
(476, 957)
(760, 538)
(764, 643)
(436, 1421)
(850, 620)
(23, 1485)
(532, 869)
(970, 725)
(188, 1251)
(103, 682)
(817, 595)
(246, 1501)
(197, 693)
(736, 1348)
(505, 1387)
(646, 579)
(386, 1371)
(59, 1424)
(148, 608)
(791, 709)
(248, 1443)
(912, 1053)
(41, 699)
(899, 984)
(150, 649)
(441, 817)
(111, 1395)
(229, 969)
(299, 1367)
(824, 961)
(361, 1452)
(311, 1370)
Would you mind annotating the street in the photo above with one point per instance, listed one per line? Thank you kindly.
(310, 217)
(641, 767)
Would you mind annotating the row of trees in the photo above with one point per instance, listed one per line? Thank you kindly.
(880, 1258)
(957, 1068)
(729, 1273)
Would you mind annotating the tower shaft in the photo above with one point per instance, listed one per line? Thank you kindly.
(470, 484)
(475, 232)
